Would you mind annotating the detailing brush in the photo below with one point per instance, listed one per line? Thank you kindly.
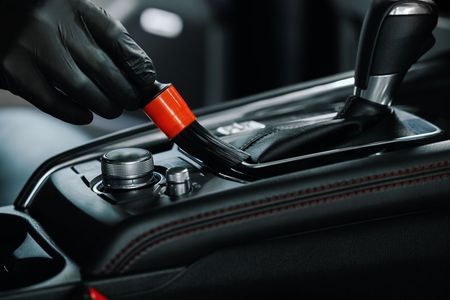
(172, 115)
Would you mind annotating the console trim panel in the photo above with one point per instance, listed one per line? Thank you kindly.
(310, 89)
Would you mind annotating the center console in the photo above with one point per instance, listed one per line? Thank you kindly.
(133, 216)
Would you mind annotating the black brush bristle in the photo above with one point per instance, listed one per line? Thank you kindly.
(199, 142)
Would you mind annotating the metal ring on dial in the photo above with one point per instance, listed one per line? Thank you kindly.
(127, 168)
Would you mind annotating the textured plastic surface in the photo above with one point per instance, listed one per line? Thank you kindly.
(30, 265)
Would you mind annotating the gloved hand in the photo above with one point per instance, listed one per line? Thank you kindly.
(71, 59)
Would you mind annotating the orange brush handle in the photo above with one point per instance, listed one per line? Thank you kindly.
(170, 112)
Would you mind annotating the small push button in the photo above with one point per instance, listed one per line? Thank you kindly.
(178, 181)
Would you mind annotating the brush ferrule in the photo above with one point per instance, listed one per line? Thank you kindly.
(170, 112)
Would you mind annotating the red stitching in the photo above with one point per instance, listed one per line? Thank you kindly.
(301, 205)
(340, 184)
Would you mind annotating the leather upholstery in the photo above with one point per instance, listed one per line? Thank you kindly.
(396, 183)
(353, 124)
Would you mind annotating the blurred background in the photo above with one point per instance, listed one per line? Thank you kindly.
(213, 51)
(216, 50)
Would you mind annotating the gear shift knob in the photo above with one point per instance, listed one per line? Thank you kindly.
(395, 34)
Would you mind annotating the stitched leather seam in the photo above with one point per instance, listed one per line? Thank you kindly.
(296, 126)
(293, 206)
(269, 200)
(257, 138)
(266, 134)
(346, 107)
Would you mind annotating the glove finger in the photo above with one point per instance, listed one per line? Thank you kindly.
(28, 82)
(102, 70)
(68, 78)
(44, 98)
(121, 47)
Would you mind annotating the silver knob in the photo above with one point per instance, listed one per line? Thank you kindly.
(395, 34)
(178, 181)
(127, 168)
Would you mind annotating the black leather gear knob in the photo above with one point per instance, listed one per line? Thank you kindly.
(395, 35)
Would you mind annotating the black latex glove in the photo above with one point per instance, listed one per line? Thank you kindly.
(71, 59)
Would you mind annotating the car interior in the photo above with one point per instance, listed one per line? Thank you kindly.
(341, 107)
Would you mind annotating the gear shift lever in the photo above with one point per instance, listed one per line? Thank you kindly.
(395, 35)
